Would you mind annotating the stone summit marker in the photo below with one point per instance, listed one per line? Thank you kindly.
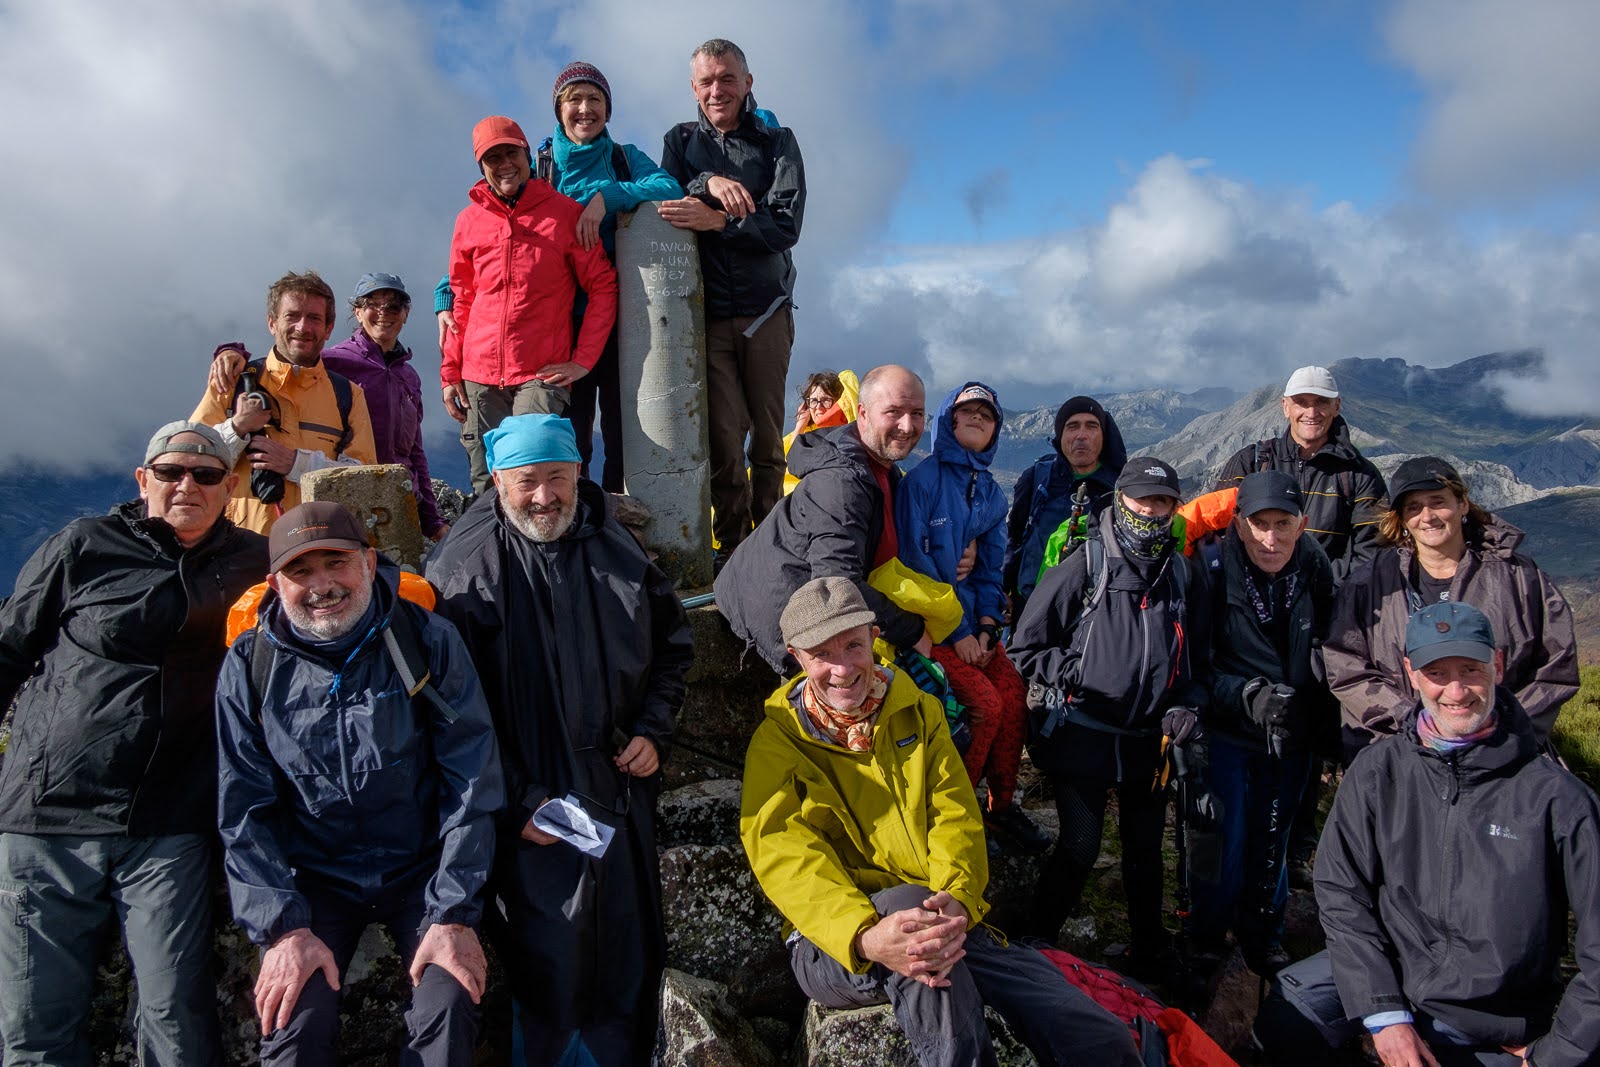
(661, 345)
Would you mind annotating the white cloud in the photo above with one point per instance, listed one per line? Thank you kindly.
(1512, 87)
(1196, 280)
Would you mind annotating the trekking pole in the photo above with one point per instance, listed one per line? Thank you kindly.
(1270, 873)
(1181, 828)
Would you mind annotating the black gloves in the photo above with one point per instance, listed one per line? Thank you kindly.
(1268, 704)
(1181, 724)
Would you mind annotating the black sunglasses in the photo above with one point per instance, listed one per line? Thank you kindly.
(174, 472)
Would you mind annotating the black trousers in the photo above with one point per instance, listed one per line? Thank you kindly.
(1141, 821)
(603, 384)
(442, 1024)
(946, 1028)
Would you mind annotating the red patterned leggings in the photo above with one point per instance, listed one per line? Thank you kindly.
(997, 712)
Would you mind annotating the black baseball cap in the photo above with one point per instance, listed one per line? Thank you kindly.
(1148, 476)
(1420, 472)
(1268, 491)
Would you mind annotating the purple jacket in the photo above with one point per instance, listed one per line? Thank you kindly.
(394, 402)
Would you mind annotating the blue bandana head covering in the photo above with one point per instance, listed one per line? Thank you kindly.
(524, 439)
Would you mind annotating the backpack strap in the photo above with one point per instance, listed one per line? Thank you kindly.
(262, 653)
(1041, 483)
(544, 162)
(1096, 577)
(344, 396)
(404, 642)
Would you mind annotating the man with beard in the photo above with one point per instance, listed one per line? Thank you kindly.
(839, 521)
(344, 802)
(110, 645)
(583, 648)
(1451, 860)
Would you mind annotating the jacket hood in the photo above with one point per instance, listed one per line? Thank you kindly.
(945, 447)
(359, 344)
(532, 193)
(838, 447)
(1113, 453)
(1499, 539)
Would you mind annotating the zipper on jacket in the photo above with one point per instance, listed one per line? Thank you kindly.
(1451, 794)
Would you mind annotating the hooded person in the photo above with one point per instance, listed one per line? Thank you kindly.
(1087, 452)
(582, 646)
(951, 515)
(1116, 659)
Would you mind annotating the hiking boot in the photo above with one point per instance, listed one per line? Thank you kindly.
(719, 560)
(1013, 823)
(1156, 961)
(1300, 873)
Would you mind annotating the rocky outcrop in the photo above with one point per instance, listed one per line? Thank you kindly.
(700, 1028)
(871, 1036)
(382, 497)
(1491, 485)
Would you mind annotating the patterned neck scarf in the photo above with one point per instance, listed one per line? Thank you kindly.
(1144, 539)
(1428, 733)
(1263, 600)
(847, 729)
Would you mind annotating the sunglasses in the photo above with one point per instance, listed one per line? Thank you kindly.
(174, 472)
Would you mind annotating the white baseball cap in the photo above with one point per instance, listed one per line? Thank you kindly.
(1314, 380)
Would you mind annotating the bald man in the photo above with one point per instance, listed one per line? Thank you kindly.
(839, 522)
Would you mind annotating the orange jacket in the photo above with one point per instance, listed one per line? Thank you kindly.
(515, 272)
(308, 418)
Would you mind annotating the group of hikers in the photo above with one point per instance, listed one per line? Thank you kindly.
(218, 668)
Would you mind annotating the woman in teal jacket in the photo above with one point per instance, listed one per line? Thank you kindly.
(582, 162)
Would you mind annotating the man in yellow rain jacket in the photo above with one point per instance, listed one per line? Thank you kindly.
(863, 830)
(298, 416)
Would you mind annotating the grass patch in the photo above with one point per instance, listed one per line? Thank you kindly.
(1577, 731)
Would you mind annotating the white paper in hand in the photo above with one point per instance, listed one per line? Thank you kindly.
(565, 818)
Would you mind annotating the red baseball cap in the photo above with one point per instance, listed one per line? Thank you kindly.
(496, 130)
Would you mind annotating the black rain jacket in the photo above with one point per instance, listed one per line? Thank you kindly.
(1444, 884)
(582, 645)
(1143, 650)
(1343, 491)
(1285, 650)
(829, 526)
(113, 637)
(746, 267)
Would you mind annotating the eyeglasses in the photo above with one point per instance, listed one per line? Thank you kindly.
(174, 472)
(390, 308)
(818, 402)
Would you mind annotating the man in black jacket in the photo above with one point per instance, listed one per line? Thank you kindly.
(1447, 869)
(110, 646)
(839, 521)
(582, 646)
(1115, 659)
(1343, 490)
(747, 194)
(344, 801)
(1272, 598)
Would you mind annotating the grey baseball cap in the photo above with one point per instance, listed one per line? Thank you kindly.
(823, 608)
(162, 442)
(372, 282)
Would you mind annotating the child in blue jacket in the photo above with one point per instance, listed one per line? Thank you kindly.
(946, 509)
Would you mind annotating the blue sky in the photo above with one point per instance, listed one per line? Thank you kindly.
(1059, 195)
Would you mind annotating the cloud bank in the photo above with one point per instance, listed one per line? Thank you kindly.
(167, 160)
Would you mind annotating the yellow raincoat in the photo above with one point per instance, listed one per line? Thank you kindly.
(825, 827)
